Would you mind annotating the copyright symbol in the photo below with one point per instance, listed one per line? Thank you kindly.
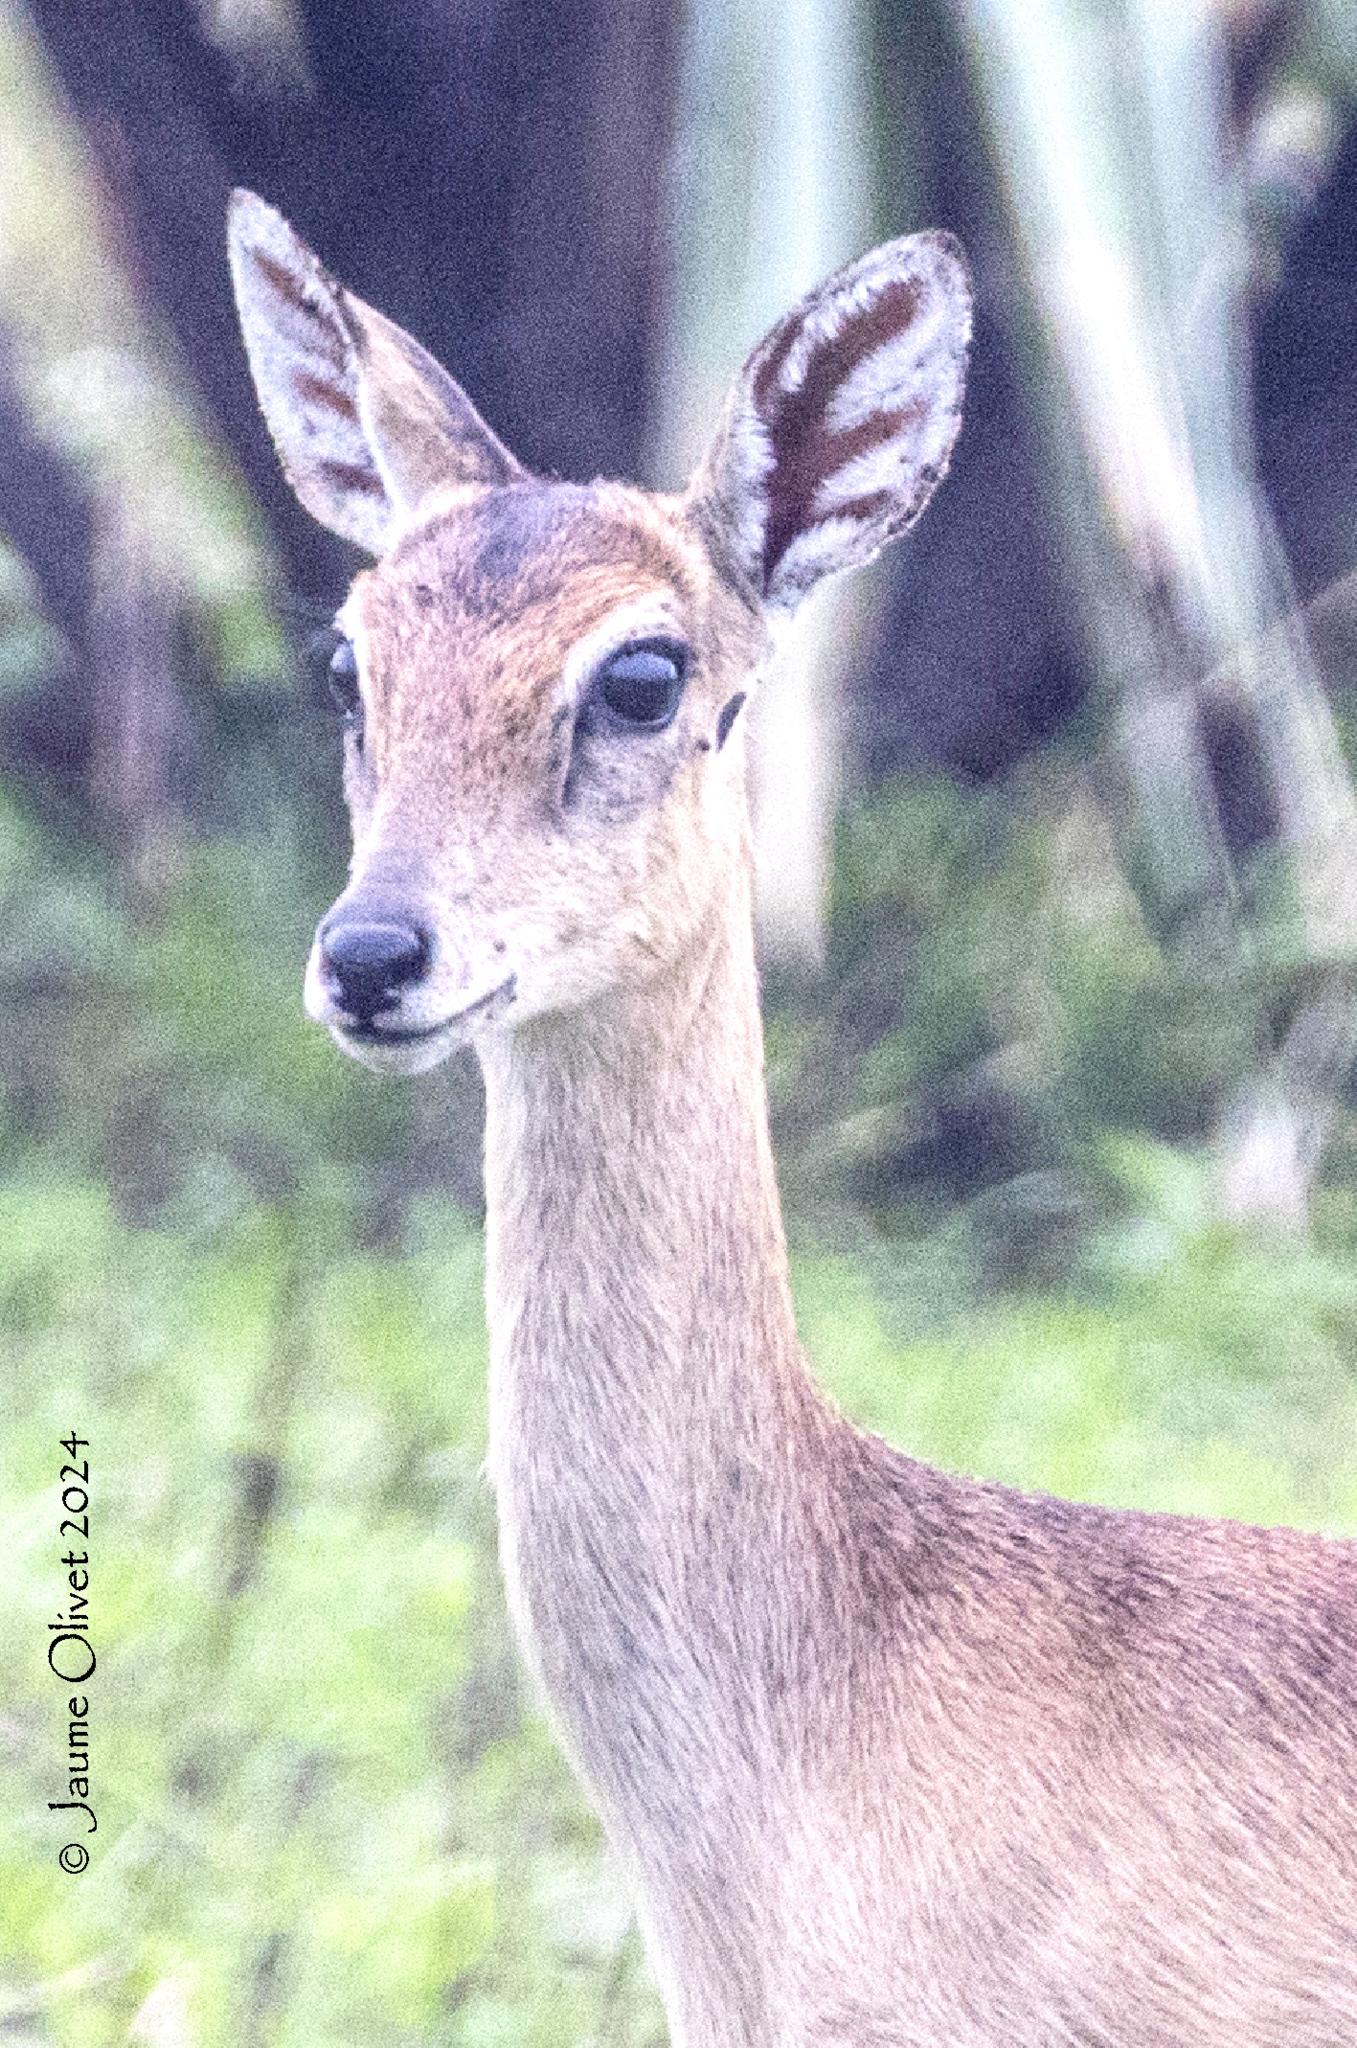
(74, 1858)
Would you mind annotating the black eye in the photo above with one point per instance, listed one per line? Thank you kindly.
(639, 687)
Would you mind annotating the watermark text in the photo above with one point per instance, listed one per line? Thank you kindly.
(70, 1652)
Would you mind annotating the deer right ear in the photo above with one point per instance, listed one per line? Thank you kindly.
(841, 424)
(365, 422)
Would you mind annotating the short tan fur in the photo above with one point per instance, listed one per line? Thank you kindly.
(892, 1759)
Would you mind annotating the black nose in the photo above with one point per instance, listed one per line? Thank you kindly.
(367, 962)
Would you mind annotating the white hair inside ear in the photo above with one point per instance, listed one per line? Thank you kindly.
(365, 422)
(841, 423)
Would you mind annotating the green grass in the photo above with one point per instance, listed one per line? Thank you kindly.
(328, 1811)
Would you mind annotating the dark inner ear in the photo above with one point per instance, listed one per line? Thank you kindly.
(805, 448)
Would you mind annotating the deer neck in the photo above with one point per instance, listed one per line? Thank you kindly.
(654, 1434)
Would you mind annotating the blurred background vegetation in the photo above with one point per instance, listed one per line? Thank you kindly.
(1060, 852)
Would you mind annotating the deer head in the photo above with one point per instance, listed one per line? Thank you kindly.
(543, 759)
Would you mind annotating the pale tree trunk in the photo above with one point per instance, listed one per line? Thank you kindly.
(1112, 132)
(137, 723)
(773, 191)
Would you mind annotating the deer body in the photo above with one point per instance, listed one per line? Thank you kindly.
(893, 1759)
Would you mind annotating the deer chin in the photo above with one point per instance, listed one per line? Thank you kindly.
(395, 1052)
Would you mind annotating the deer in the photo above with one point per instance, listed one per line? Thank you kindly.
(889, 1757)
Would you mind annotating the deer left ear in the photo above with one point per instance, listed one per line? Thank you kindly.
(841, 424)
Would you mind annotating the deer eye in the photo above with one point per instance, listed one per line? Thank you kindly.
(342, 673)
(639, 686)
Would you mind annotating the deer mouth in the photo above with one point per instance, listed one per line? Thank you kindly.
(390, 1041)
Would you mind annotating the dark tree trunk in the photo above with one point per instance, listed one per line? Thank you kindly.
(491, 176)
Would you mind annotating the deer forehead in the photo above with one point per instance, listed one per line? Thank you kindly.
(483, 623)
(529, 567)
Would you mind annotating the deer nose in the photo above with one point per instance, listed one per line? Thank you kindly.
(366, 962)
